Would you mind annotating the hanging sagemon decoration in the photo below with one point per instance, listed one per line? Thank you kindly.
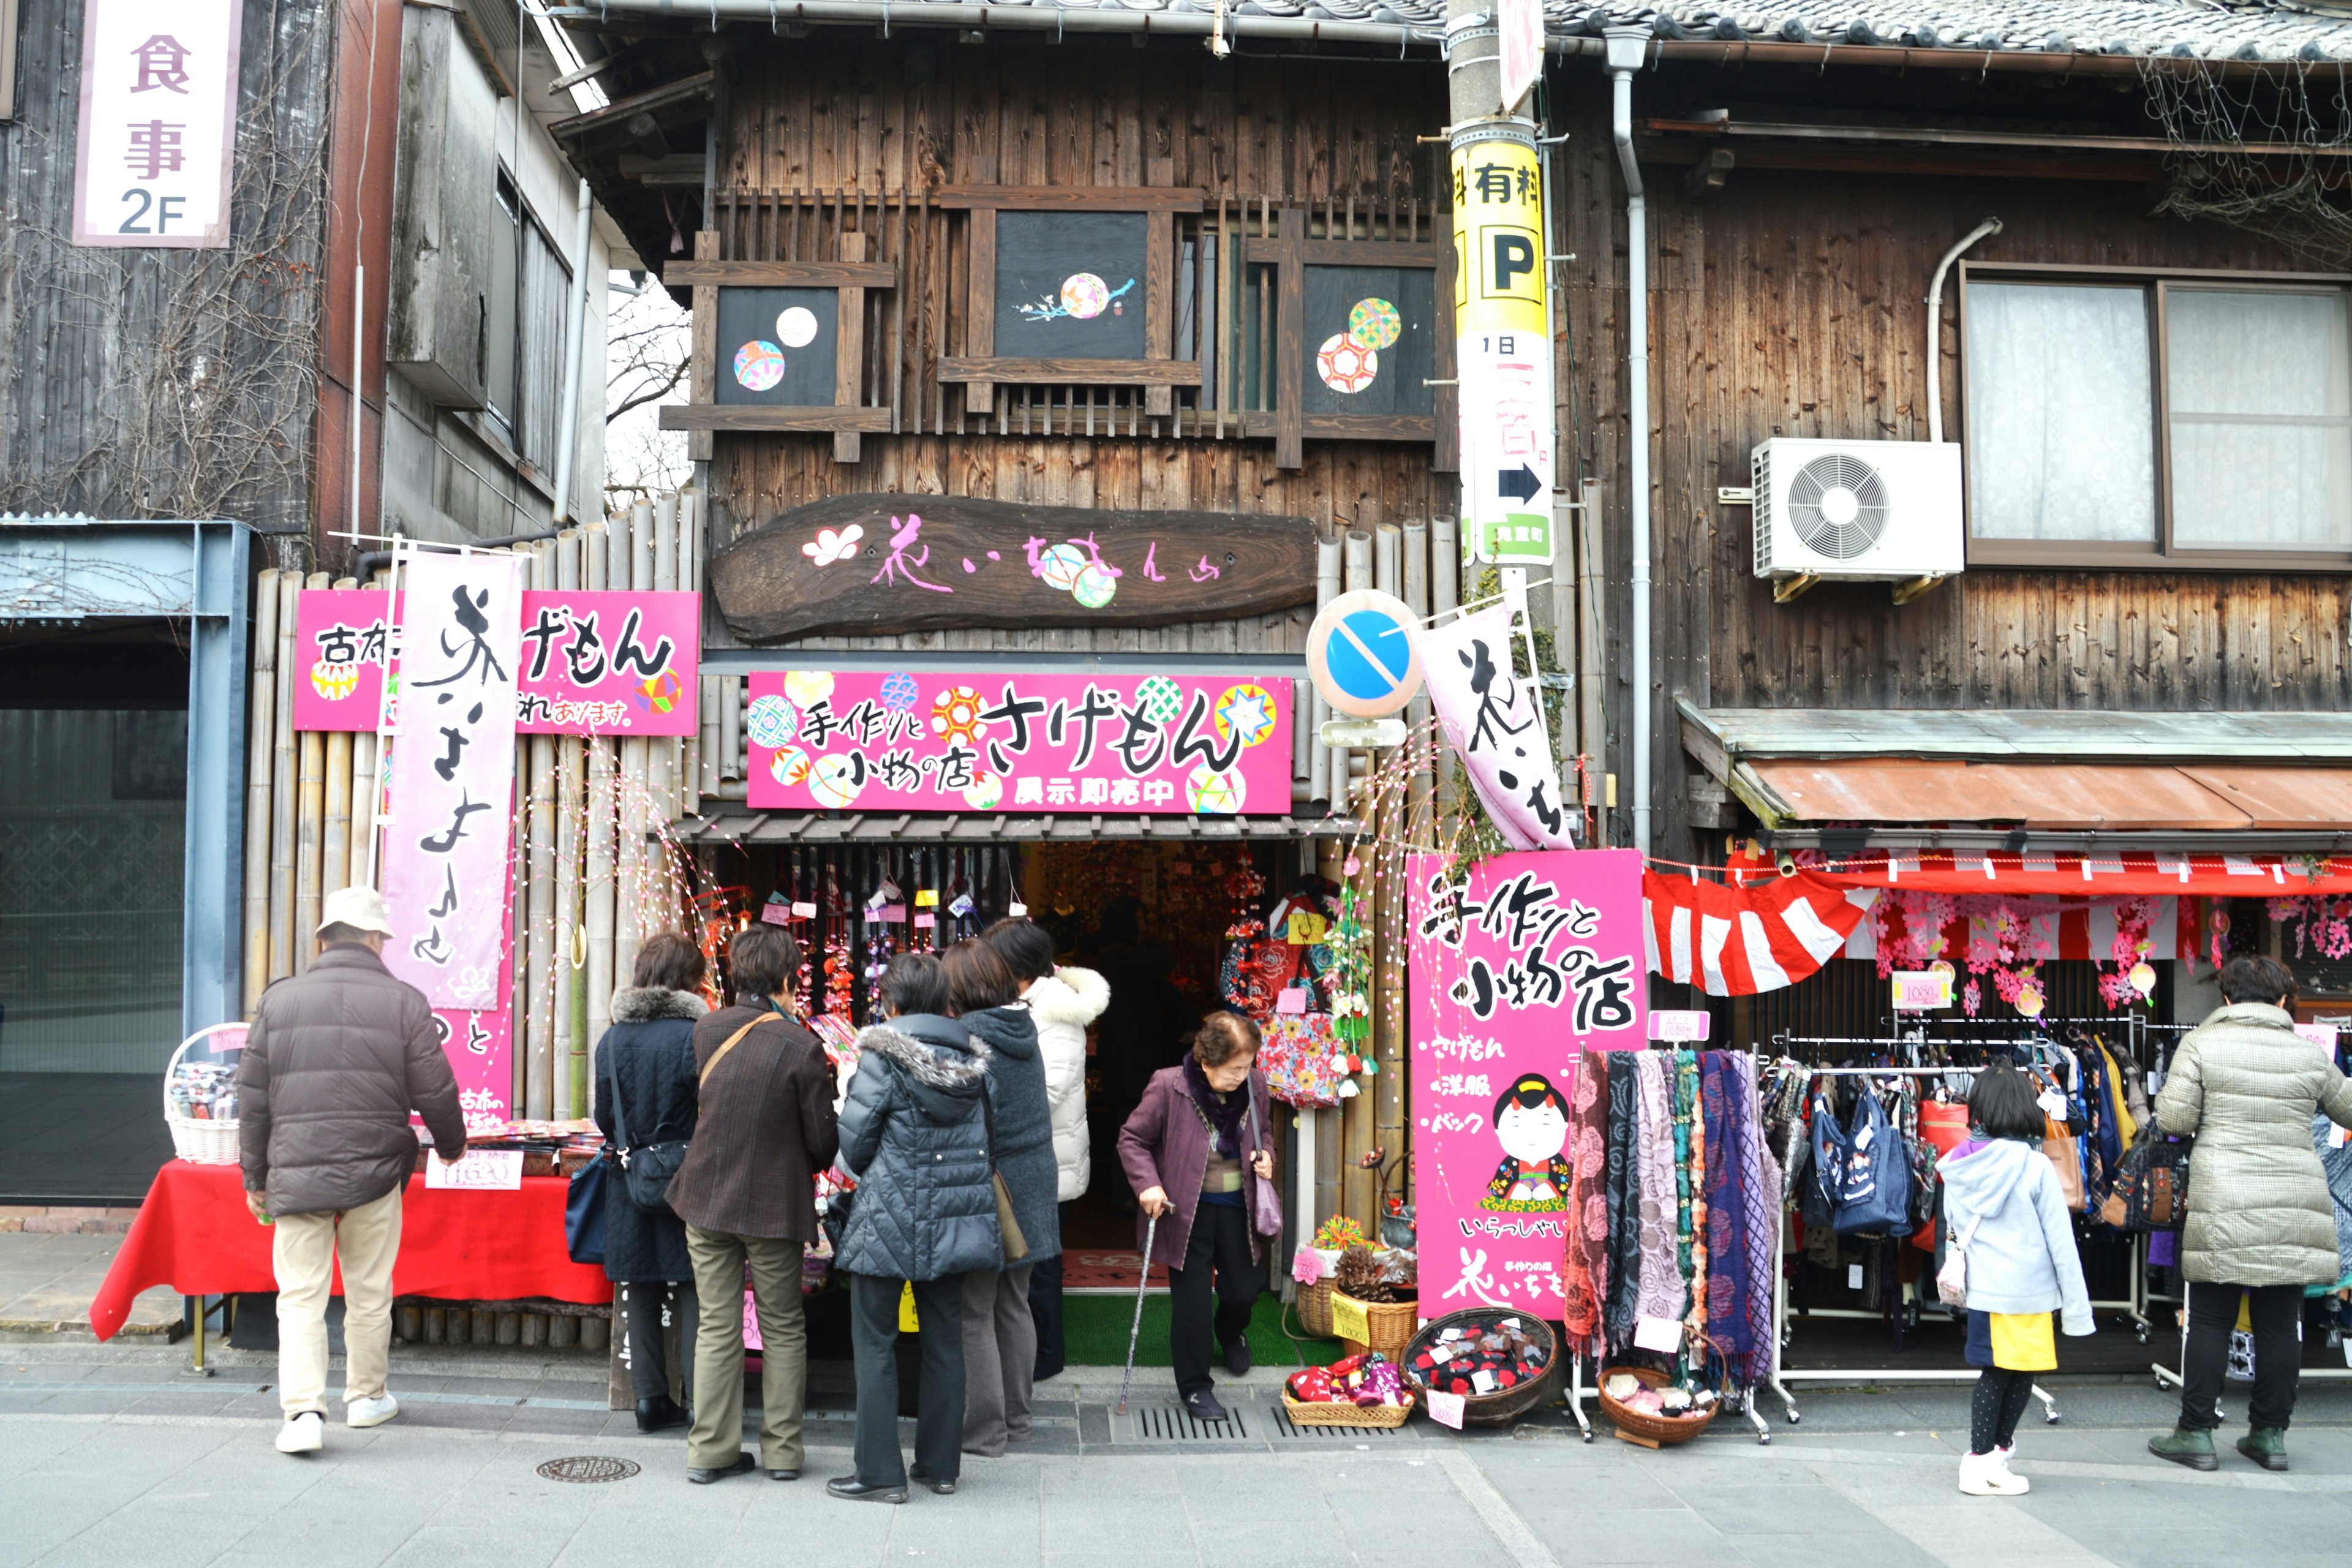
(840, 976)
(1351, 985)
(2322, 924)
(2130, 978)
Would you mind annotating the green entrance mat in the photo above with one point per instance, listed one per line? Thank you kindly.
(1095, 1329)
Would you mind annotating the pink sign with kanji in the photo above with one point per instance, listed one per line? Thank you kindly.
(591, 664)
(1520, 964)
(1146, 745)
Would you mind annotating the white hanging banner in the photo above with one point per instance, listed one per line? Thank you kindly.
(446, 857)
(1494, 717)
(158, 123)
(1519, 46)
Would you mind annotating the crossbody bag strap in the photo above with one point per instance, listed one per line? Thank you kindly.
(720, 1053)
(620, 1121)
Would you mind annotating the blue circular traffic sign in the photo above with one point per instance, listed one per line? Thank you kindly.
(1364, 655)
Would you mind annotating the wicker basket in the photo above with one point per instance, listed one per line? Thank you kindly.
(1314, 1305)
(1391, 1326)
(1333, 1412)
(1640, 1426)
(1504, 1406)
(199, 1141)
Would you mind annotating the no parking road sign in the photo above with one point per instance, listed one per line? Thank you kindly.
(1364, 655)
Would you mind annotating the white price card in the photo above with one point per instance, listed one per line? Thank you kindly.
(482, 1169)
(1445, 1409)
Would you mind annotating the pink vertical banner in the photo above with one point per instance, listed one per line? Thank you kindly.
(1520, 964)
(444, 871)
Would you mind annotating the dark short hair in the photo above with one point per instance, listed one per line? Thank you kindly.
(978, 978)
(670, 962)
(761, 960)
(915, 982)
(2256, 977)
(1223, 1037)
(1530, 1091)
(2003, 1103)
(1024, 946)
(338, 931)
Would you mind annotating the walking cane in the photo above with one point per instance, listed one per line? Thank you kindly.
(1135, 1330)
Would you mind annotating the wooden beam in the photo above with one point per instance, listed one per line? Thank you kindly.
(704, 372)
(1708, 174)
(704, 417)
(981, 371)
(782, 274)
(979, 315)
(1086, 198)
(849, 351)
(1159, 309)
(1290, 341)
(618, 113)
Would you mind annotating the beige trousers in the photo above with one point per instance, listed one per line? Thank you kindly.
(716, 1437)
(304, 1253)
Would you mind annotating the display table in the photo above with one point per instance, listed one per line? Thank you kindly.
(194, 1234)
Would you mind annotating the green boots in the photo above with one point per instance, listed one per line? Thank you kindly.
(2193, 1448)
(2265, 1446)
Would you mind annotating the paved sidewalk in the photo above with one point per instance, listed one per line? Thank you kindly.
(48, 1278)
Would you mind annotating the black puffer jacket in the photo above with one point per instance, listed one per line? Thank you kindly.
(1020, 1124)
(644, 1064)
(914, 1132)
(336, 1059)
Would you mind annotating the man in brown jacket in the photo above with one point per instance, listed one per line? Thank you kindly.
(764, 1127)
(336, 1059)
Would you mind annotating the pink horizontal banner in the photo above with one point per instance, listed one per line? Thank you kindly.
(592, 664)
(1159, 745)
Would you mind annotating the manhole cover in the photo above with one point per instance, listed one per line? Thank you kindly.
(588, 1467)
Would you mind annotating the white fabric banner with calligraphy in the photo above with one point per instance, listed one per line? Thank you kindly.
(444, 854)
(1494, 717)
(158, 123)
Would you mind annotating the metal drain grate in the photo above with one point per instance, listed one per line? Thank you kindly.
(588, 1467)
(1284, 1426)
(1173, 1423)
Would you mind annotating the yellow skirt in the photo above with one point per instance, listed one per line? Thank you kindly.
(2023, 1342)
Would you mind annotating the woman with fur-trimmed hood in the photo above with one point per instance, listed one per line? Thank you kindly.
(914, 1133)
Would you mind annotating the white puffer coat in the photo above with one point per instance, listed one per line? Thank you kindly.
(1063, 1003)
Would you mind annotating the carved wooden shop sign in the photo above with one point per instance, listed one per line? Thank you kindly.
(883, 563)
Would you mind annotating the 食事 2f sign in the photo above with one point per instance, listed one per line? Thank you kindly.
(158, 123)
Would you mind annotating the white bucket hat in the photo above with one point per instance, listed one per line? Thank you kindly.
(362, 909)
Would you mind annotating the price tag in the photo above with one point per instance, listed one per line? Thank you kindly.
(752, 1340)
(1853, 1276)
(1348, 1319)
(927, 898)
(1680, 1024)
(1664, 1335)
(481, 1171)
(962, 907)
(1291, 999)
(1016, 910)
(775, 914)
(1922, 990)
(2320, 1035)
(1446, 1409)
(804, 911)
(926, 920)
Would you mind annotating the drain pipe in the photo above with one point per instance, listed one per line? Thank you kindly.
(1625, 46)
(1936, 327)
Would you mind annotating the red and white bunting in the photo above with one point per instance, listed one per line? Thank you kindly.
(1734, 940)
(2085, 930)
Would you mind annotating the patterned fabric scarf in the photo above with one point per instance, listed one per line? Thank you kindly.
(1661, 1293)
(1762, 1179)
(1586, 1272)
(1623, 1283)
(1728, 1126)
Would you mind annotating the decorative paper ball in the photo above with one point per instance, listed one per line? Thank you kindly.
(770, 721)
(1095, 587)
(900, 693)
(1214, 792)
(1084, 295)
(836, 781)
(1374, 322)
(1061, 566)
(808, 687)
(1244, 712)
(797, 327)
(658, 695)
(1163, 699)
(1345, 364)
(955, 716)
(789, 765)
(759, 366)
(334, 681)
(985, 791)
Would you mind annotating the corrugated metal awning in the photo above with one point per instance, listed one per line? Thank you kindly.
(744, 826)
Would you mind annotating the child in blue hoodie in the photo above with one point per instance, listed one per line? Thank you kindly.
(2004, 1209)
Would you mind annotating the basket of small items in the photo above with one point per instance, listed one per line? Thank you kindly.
(1355, 1391)
(200, 1095)
(1503, 1363)
(1385, 1290)
(1312, 1268)
(1649, 1408)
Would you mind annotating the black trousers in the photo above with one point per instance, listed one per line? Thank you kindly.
(2277, 1316)
(939, 1415)
(1219, 1243)
(1045, 1307)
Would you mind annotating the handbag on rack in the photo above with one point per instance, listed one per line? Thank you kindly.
(1265, 1204)
(1865, 1171)
(2058, 1143)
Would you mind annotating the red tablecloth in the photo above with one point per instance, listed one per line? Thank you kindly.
(194, 1234)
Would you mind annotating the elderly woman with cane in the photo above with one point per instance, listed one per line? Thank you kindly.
(1191, 1151)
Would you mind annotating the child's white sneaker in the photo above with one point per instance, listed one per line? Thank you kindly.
(2011, 1484)
(1983, 1475)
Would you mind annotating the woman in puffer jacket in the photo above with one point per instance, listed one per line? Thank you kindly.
(1062, 1002)
(914, 1133)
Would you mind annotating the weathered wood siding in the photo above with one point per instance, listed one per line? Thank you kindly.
(1791, 304)
(165, 382)
(823, 135)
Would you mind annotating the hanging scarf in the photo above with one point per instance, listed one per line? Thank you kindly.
(1585, 1274)
(1687, 1100)
(1661, 1291)
(1763, 1180)
(1726, 1315)
(1623, 1283)
(1223, 1112)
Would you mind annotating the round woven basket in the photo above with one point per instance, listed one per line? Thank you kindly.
(1333, 1412)
(1390, 1325)
(1314, 1305)
(197, 1141)
(1640, 1426)
(1505, 1405)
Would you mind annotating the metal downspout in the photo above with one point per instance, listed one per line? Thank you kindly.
(1626, 47)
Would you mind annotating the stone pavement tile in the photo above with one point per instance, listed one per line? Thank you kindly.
(1121, 1557)
(1798, 1509)
(1877, 1549)
(1656, 1536)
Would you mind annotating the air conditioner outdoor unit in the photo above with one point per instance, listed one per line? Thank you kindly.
(1860, 511)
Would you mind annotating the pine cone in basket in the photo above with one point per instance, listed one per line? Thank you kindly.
(1360, 1275)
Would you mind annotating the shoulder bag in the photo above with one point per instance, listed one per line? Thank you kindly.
(1008, 1227)
(1874, 1191)
(649, 1169)
(1952, 1278)
(1265, 1204)
(2151, 1190)
(584, 1212)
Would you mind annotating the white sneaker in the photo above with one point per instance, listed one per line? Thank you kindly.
(303, 1434)
(370, 1411)
(1983, 1475)
(2008, 1482)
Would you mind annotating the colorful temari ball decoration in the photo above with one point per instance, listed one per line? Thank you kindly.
(1345, 364)
(759, 366)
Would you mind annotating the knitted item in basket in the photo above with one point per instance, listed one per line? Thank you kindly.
(1642, 1427)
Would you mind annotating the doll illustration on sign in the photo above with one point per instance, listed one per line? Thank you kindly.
(1531, 1123)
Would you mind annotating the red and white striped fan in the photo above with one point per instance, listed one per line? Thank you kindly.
(1735, 942)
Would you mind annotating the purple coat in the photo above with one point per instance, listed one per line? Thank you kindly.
(1166, 1144)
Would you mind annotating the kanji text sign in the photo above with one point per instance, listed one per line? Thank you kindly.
(158, 131)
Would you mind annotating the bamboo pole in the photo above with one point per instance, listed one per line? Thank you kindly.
(537, 861)
(569, 767)
(1445, 597)
(309, 828)
(641, 546)
(519, 990)
(262, 698)
(600, 888)
(1416, 594)
(1322, 778)
(666, 513)
(686, 773)
(1356, 573)
(1358, 1117)
(282, 785)
(629, 856)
